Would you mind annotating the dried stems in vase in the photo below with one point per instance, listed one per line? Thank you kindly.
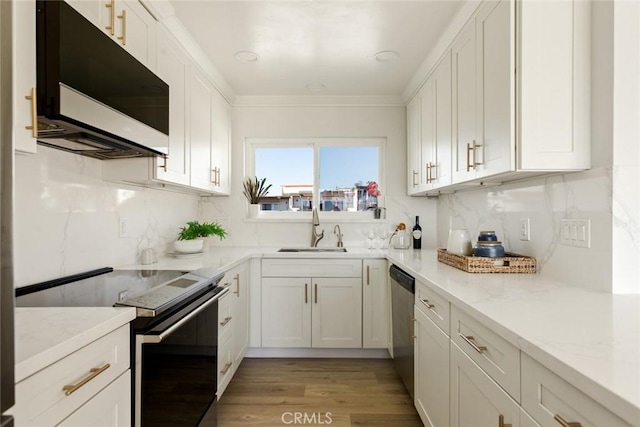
(255, 189)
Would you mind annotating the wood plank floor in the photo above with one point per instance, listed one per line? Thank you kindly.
(336, 392)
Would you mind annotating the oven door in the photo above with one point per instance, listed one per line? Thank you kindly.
(176, 365)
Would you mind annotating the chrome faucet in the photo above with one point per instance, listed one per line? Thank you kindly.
(315, 237)
(339, 234)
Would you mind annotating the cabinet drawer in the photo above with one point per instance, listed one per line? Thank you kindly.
(225, 365)
(311, 267)
(499, 358)
(225, 317)
(433, 305)
(545, 396)
(41, 399)
(110, 408)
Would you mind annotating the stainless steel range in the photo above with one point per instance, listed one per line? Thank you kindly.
(174, 337)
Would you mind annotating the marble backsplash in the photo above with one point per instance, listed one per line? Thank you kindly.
(67, 217)
(545, 201)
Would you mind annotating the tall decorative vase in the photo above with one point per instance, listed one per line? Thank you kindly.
(253, 210)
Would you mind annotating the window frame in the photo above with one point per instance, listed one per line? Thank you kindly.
(250, 144)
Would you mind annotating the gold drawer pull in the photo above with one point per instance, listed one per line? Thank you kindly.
(225, 321)
(94, 372)
(316, 292)
(428, 304)
(565, 423)
(123, 37)
(368, 275)
(237, 279)
(415, 175)
(471, 341)
(226, 368)
(34, 113)
(501, 422)
(306, 295)
(164, 165)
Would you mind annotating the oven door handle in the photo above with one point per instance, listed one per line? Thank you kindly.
(154, 339)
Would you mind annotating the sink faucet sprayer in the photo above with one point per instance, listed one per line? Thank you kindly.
(338, 232)
(315, 237)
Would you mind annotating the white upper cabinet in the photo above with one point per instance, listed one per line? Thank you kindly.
(413, 147)
(520, 94)
(174, 67)
(24, 76)
(221, 144)
(127, 22)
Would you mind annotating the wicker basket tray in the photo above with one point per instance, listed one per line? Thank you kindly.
(510, 263)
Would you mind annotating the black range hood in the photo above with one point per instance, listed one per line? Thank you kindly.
(93, 97)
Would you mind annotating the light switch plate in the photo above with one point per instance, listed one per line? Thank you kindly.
(123, 229)
(576, 232)
(525, 229)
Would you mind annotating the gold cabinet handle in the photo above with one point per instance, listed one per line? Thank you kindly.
(226, 320)
(469, 149)
(93, 372)
(164, 165)
(565, 423)
(415, 175)
(427, 303)
(123, 37)
(368, 275)
(213, 176)
(237, 279)
(34, 113)
(316, 292)
(226, 368)
(471, 341)
(306, 295)
(112, 16)
(430, 177)
(501, 422)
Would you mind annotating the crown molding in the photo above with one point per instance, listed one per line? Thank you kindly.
(318, 101)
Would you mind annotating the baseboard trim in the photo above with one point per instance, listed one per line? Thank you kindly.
(350, 353)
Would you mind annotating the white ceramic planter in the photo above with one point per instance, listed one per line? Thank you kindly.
(188, 246)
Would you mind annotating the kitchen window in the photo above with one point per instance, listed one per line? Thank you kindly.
(342, 177)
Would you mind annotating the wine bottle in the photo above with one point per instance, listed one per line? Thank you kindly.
(417, 234)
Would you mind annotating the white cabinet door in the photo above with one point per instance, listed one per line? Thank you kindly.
(413, 146)
(174, 66)
(201, 125)
(375, 304)
(221, 143)
(464, 104)
(431, 373)
(240, 295)
(135, 30)
(109, 408)
(286, 312)
(476, 400)
(495, 84)
(440, 171)
(337, 313)
(24, 75)
(427, 100)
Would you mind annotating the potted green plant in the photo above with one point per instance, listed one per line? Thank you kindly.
(190, 237)
(255, 190)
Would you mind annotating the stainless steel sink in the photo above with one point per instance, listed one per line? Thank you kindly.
(312, 250)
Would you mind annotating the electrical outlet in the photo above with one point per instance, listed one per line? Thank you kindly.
(576, 232)
(525, 229)
(123, 229)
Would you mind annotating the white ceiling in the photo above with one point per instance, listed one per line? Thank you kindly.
(316, 42)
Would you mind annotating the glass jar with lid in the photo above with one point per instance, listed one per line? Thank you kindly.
(401, 240)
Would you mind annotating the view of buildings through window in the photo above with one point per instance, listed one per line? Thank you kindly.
(347, 177)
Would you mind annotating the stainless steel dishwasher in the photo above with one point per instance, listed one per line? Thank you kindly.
(403, 289)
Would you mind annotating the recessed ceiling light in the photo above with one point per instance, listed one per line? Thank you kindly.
(246, 57)
(315, 87)
(386, 56)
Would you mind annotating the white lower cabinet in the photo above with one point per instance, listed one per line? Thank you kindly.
(431, 389)
(375, 303)
(526, 420)
(323, 309)
(552, 401)
(90, 385)
(109, 408)
(476, 400)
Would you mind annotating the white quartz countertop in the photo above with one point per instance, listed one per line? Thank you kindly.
(46, 335)
(590, 339)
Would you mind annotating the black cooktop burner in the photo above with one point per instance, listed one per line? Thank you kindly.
(101, 290)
